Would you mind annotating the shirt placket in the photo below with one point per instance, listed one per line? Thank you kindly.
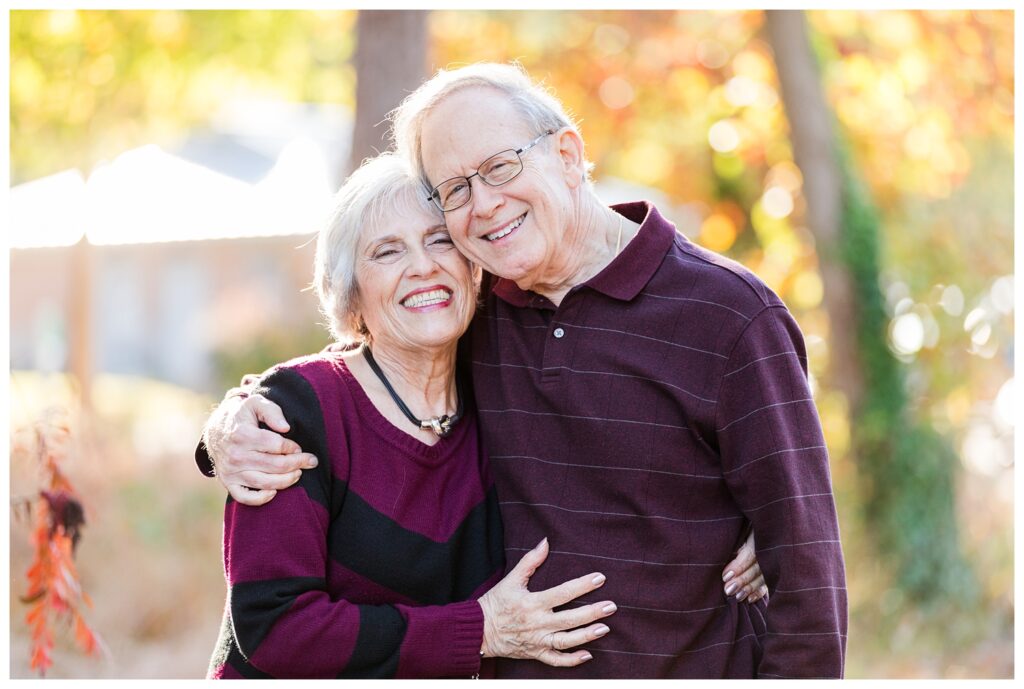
(561, 337)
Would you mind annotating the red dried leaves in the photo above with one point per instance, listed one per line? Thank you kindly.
(55, 593)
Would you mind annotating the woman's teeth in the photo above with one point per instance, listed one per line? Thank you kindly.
(430, 298)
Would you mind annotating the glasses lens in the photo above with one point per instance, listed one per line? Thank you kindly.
(451, 194)
(500, 168)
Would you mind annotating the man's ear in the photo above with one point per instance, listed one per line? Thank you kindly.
(570, 152)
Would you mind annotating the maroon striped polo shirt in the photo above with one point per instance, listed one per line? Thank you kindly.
(642, 426)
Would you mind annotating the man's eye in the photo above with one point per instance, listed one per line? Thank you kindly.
(453, 190)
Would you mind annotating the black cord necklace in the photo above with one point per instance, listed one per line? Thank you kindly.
(441, 425)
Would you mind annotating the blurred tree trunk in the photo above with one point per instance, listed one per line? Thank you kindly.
(390, 62)
(906, 468)
(814, 152)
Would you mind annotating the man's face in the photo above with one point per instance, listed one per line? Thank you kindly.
(514, 229)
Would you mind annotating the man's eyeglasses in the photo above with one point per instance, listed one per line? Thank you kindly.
(499, 169)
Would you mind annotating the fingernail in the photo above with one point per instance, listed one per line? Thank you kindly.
(537, 547)
(587, 656)
(729, 575)
(730, 588)
(598, 580)
(610, 608)
(602, 630)
(741, 595)
(313, 462)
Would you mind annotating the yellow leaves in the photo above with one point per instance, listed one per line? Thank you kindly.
(724, 136)
(616, 92)
(101, 70)
(27, 80)
(167, 28)
(835, 423)
(62, 22)
(754, 65)
(647, 162)
(894, 30)
(913, 68)
(969, 40)
(958, 405)
(717, 232)
(806, 290)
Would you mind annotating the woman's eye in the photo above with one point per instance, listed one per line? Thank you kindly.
(385, 253)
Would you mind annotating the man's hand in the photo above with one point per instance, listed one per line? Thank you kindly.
(742, 576)
(253, 463)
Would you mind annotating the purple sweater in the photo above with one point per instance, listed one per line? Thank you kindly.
(370, 566)
(643, 426)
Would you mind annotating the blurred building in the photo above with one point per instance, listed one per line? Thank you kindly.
(160, 258)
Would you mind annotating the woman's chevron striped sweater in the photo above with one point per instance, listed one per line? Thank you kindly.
(370, 565)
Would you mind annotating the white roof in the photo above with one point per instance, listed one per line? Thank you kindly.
(148, 195)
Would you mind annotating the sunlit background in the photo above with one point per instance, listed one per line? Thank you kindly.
(169, 168)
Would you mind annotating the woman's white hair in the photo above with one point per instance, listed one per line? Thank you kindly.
(382, 188)
(539, 108)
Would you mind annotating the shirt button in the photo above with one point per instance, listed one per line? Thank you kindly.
(559, 333)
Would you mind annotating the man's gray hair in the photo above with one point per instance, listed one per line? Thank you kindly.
(540, 109)
(381, 189)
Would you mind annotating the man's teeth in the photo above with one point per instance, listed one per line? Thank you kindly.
(430, 298)
(508, 228)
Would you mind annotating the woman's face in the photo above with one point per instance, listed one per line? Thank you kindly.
(413, 288)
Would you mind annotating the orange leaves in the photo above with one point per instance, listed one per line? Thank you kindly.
(54, 591)
(84, 637)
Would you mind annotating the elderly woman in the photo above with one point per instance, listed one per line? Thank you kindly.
(385, 560)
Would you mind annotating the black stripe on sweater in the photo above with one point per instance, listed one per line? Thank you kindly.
(237, 661)
(261, 603)
(295, 395)
(445, 572)
(381, 631)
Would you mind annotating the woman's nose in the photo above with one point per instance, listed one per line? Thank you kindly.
(421, 262)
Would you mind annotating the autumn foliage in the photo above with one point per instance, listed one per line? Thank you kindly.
(55, 595)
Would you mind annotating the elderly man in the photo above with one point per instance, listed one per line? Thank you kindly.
(644, 401)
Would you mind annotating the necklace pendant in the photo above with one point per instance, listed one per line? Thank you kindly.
(441, 425)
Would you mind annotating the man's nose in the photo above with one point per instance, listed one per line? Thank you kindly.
(486, 199)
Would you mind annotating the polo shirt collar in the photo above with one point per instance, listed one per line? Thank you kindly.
(625, 276)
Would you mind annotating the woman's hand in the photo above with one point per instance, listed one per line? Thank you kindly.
(521, 624)
(742, 576)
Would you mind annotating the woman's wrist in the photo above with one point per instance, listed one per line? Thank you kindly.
(485, 646)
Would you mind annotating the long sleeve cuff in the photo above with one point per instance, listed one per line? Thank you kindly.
(467, 639)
